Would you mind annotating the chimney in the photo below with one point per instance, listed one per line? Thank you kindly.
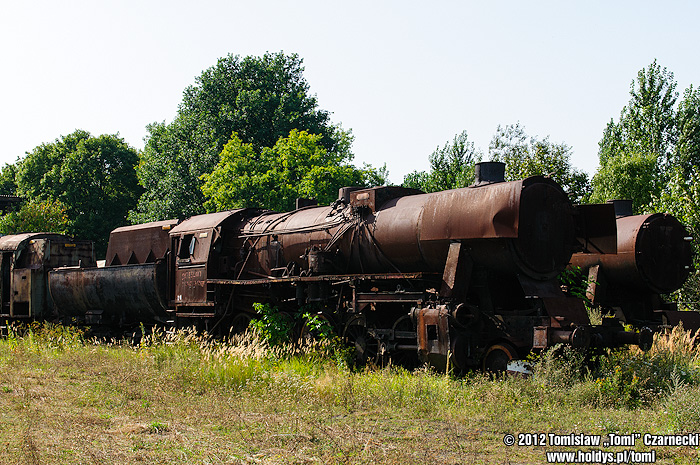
(489, 172)
(622, 207)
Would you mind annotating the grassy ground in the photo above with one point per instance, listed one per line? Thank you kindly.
(183, 400)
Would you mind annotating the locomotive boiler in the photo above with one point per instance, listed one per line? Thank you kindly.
(654, 258)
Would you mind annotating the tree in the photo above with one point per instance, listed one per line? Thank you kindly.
(37, 216)
(631, 175)
(8, 185)
(649, 121)
(526, 156)
(274, 177)
(94, 177)
(652, 156)
(644, 139)
(688, 131)
(261, 99)
(451, 166)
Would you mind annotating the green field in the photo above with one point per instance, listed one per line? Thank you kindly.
(183, 399)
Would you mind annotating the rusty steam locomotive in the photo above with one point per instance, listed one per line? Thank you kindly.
(467, 275)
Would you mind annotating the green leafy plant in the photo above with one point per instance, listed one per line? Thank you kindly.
(317, 326)
(273, 326)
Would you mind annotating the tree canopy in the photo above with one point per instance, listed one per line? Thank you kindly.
(451, 166)
(637, 152)
(94, 178)
(526, 156)
(261, 99)
(37, 216)
(274, 177)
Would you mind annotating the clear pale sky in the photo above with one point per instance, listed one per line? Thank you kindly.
(405, 76)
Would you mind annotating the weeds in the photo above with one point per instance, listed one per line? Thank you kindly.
(178, 396)
(39, 337)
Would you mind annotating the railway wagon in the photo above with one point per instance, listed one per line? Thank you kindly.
(25, 260)
(129, 290)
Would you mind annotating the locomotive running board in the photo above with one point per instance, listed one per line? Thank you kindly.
(326, 277)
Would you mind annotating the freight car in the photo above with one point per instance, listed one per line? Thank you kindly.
(24, 262)
(466, 275)
(654, 258)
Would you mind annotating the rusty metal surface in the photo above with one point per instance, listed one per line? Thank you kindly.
(21, 285)
(202, 222)
(545, 229)
(119, 294)
(523, 226)
(472, 213)
(690, 319)
(376, 197)
(23, 266)
(651, 254)
(141, 243)
(566, 311)
(330, 278)
(15, 241)
(457, 274)
(596, 228)
(39, 250)
(198, 255)
(191, 285)
(433, 330)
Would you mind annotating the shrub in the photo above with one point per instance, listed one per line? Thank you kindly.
(273, 326)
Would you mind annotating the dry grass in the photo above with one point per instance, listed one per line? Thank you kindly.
(185, 399)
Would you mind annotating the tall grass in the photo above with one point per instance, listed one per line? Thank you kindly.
(42, 337)
(302, 400)
(625, 377)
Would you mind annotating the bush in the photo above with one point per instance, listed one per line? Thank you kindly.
(631, 377)
(273, 326)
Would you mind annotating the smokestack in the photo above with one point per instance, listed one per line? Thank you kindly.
(622, 207)
(489, 172)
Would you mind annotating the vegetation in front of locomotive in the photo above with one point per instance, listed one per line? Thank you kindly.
(178, 393)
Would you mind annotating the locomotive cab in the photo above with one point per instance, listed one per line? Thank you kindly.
(206, 248)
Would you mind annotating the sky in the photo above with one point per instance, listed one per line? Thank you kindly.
(405, 76)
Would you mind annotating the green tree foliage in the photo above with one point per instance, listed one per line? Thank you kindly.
(652, 156)
(274, 177)
(451, 166)
(637, 152)
(261, 99)
(94, 177)
(631, 175)
(526, 156)
(8, 185)
(688, 130)
(37, 216)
